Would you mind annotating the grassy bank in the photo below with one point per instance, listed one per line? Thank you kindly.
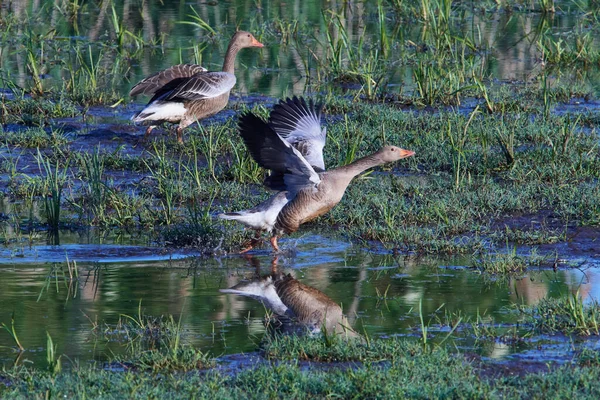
(393, 369)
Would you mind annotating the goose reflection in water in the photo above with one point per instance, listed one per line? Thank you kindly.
(299, 308)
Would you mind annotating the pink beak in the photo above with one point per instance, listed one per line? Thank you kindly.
(256, 43)
(406, 153)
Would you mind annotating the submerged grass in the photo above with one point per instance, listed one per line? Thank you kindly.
(508, 262)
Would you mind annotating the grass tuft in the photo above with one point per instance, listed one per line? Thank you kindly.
(567, 314)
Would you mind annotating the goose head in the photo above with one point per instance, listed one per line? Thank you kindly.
(245, 39)
(393, 153)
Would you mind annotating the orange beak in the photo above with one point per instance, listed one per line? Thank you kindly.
(406, 153)
(256, 43)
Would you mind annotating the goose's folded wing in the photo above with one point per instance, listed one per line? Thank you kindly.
(270, 151)
(299, 123)
(158, 80)
(204, 85)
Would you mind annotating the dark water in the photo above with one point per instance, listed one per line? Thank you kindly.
(380, 294)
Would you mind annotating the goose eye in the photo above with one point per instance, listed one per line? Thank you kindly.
(393, 149)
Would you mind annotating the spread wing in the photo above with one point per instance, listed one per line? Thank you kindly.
(203, 85)
(299, 124)
(158, 80)
(270, 151)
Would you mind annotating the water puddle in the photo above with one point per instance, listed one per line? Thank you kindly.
(380, 294)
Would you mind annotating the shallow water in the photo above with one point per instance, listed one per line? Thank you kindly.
(379, 293)
(507, 40)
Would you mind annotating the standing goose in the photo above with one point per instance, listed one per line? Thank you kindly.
(299, 304)
(291, 146)
(186, 93)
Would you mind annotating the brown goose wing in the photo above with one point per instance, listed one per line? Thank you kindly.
(158, 80)
(270, 151)
(204, 85)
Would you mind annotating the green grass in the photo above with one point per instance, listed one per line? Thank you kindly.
(471, 173)
(35, 111)
(34, 137)
(566, 314)
(475, 168)
(410, 372)
(333, 348)
(508, 262)
(185, 358)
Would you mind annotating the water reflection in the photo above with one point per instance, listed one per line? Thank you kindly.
(298, 308)
(380, 294)
(129, 41)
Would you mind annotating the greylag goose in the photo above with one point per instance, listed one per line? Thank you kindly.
(291, 146)
(299, 304)
(187, 93)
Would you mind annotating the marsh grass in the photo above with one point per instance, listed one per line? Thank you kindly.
(210, 145)
(346, 60)
(52, 185)
(52, 358)
(62, 275)
(92, 76)
(97, 191)
(143, 331)
(157, 344)
(39, 112)
(589, 358)
(336, 348)
(184, 359)
(13, 332)
(390, 368)
(470, 170)
(168, 183)
(531, 236)
(567, 314)
(121, 32)
(34, 137)
(242, 167)
(509, 262)
(576, 49)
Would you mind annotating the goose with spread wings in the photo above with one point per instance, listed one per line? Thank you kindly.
(291, 146)
(186, 93)
(300, 308)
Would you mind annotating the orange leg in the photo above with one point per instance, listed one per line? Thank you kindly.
(148, 130)
(249, 245)
(179, 135)
(274, 243)
(146, 134)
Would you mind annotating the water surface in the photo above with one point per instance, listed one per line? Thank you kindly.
(295, 34)
(380, 293)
